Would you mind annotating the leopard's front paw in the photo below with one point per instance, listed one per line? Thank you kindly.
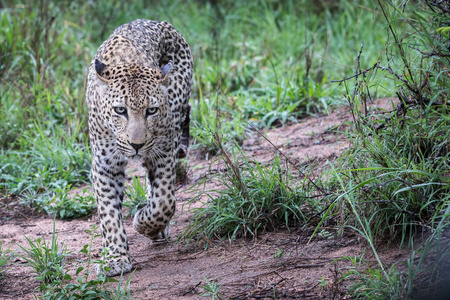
(116, 265)
(152, 228)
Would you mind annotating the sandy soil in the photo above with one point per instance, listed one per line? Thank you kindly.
(281, 264)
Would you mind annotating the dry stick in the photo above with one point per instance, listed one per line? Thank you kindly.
(438, 5)
(232, 165)
(358, 68)
(264, 293)
(356, 75)
(358, 72)
(192, 289)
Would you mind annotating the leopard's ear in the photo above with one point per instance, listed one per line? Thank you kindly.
(165, 70)
(103, 71)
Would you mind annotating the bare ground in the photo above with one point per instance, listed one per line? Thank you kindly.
(280, 264)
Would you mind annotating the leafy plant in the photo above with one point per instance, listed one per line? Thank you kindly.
(212, 289)
(46, 259)
(323, 283)
(66, 207)
(50, 263)
(136, 196)
(5, 257)
(375, 283)
(85, 288)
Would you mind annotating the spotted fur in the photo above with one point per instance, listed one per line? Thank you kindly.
(138, 91)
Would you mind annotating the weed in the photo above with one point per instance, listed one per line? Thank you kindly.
(46, 259)
(256, 198)
(136, 196)
(323, 283)
(393, 182)
(84, 288)
(374, 283)
(278, 254)
(50, 262)
(65, 207)
(5, 257)
(212, 289)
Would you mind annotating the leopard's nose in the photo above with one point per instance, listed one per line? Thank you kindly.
(137, 146)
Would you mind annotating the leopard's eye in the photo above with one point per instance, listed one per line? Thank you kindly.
(151, 111)
(120, 110)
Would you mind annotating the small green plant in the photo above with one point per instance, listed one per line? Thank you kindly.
(65, 207)
(278, 253)
(85, 288)
(323, 283)
(325, 234)
(46, 259)
(136, 196)
(212, 289)
(50, 263)
(375, 283)
(5, 257)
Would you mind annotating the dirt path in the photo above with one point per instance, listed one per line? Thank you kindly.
(280, 264)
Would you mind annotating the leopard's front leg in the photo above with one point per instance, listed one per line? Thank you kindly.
(108, 177)
(153, 219)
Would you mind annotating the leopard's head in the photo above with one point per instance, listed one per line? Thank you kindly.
(134, 106)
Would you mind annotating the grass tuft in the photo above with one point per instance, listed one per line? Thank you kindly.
(51, 263)
(252, 199)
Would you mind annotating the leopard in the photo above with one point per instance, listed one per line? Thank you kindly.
(138, 89)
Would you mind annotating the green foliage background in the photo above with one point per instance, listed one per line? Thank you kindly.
(265, 61)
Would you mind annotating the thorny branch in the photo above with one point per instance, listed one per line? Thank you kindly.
(444, 9)
(350, 77)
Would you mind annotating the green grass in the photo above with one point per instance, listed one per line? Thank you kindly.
(51, 263)
(212, 289)
(393, 180)
(397, 166)
(136, 196)
(46, 259)
(371, 283)
(65, 207)
(5, 256)
(252, 198)
(261, 61)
